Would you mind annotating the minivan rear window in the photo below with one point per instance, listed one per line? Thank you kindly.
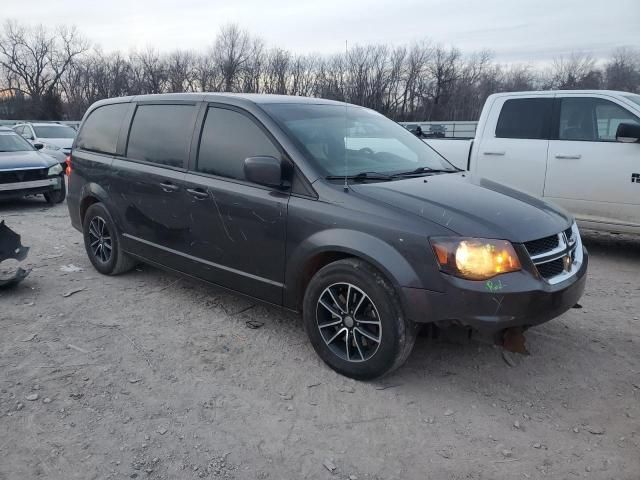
(161, 134)
(100, 131)
(527, 118)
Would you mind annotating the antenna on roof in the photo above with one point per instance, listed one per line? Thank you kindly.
(346, 133)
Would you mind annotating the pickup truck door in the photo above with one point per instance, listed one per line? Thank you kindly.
(589, 173)
(512, 148)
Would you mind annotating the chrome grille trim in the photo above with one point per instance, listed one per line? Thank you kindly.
(569, 248)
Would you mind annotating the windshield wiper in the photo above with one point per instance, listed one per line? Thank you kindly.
(421, 170)
(362, 176)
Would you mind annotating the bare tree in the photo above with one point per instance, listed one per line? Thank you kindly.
(622, 72)
(35, 60)
(231, 52)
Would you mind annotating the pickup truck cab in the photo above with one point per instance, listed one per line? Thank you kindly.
(578, 149)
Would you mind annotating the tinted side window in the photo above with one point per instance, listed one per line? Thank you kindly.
(591, 119)
(228, 137)
(161, 134)
(525, 118)
(101, 129)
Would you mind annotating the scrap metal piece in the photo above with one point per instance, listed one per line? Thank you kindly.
(513, 340)
(11, 248)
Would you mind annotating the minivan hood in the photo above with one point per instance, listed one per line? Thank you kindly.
(471, 206)
(25, 159)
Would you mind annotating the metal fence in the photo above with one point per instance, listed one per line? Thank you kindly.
(444, 129)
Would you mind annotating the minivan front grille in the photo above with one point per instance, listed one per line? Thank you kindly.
(551, 269)
(16, 176)
(556, 257)
(542, 245)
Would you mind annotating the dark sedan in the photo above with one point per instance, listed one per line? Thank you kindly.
(26, 171)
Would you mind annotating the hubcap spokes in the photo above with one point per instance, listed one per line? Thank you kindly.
(100, 241)
(349, 322)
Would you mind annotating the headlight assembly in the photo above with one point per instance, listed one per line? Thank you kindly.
(475, 258)
(55, 170)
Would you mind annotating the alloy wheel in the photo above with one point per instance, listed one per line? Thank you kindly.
(100, 240)
(349, 322)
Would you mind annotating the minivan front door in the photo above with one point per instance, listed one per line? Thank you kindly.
(238, 229)
(589, 173)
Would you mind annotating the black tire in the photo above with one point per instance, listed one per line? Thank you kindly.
(396, 333)
(57, 196)
(98, 225)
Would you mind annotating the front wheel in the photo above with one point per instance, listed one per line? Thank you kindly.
(355, 322)
(57, 196)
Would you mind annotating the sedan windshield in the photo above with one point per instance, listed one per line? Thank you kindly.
(355, 141)
(54, 131)
(12, 142)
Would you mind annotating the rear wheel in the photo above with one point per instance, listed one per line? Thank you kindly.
(355, 322)
(57, 196)
(102, 242)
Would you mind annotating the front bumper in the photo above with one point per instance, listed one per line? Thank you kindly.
(21, 189)
(511, 300)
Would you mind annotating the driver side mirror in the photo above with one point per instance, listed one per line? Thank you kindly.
(264, 170)
(628, 133)
(38, 146)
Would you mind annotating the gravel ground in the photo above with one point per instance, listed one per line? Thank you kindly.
(147, 375)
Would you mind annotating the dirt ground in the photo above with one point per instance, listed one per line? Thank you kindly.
(150, 376)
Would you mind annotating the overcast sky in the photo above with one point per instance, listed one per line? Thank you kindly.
(528, 31)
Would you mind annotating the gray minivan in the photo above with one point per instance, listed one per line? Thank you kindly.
(327, 209)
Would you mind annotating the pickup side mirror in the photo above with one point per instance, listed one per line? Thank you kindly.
(38, 146)
(264, 170)
(628, 133)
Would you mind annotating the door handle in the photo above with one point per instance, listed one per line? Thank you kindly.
(569, 157)
(169, 187)
(497, 154)
(198, 193)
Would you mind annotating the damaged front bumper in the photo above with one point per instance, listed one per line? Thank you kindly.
(11, 248)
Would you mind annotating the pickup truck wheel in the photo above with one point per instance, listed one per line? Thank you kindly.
(102, 242)
(57, 196)
(355, 322)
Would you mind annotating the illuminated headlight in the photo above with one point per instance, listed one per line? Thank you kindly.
(55, 170)
(475, 258)
(50, 146)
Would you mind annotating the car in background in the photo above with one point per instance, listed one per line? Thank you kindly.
(579, 149)
(25, 170)
(56, 139)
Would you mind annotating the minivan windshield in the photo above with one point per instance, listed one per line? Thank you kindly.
(355, 141)
(54, 131)
(12, 142)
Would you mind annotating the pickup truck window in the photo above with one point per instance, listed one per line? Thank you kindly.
(526, 118)
(591, 119)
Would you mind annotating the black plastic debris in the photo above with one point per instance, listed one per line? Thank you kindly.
(11, 248)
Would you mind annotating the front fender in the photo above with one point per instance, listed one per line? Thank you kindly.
(371, 249)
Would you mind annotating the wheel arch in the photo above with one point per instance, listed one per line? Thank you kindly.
(329, 246)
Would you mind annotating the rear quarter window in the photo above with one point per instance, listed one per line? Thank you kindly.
(101, 129)
(525, 118)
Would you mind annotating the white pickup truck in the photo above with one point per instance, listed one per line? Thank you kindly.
(579, 149)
